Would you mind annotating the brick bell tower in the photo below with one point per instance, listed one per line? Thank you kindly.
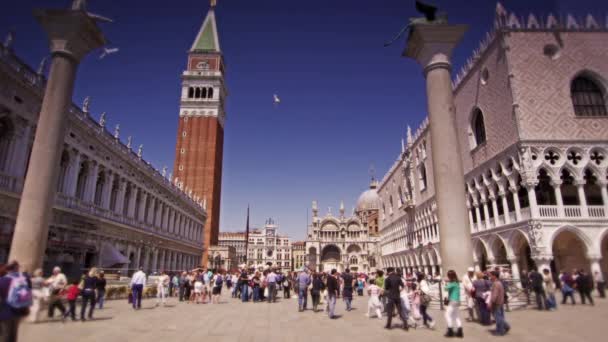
(200, 136)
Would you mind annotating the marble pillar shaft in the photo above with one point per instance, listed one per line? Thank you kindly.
(432, 46)
(36, 206)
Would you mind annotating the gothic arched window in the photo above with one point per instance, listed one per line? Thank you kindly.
(545, 195)
(210, 93)
(423, 182)
(197, 93)
(190, 92)
(569, 190)
(593, 191)
(587, 97)
(478, 126)
(204, 93)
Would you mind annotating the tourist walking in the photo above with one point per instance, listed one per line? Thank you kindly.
(549, 289)
(174, 285)
(333, 288)
(568, 286)
(101, 290)
(497, 300)
(218, 282)
(584, 285)
(89, 285)
(72, 295)
(537, 284)
(303, 283)
(374, 304)
(244, 285)
(271, 281)
(138, 280)
(15, 300)
(162, 284)
(452, 314)
(315, 292)
(600, 284)
(37, 295)
(380, 282)
(286, 286)
(467, 284)
(56, 283)
(360, 286)
(347, 289)
(425, 301)
(392, 292)
(482, 288)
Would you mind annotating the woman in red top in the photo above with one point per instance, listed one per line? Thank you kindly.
(72, 295)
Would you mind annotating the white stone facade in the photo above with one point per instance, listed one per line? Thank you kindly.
(237, 241)
(345, 242)
(531, 114)
(112, 209)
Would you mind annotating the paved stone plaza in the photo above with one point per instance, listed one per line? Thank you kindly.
(235, 321)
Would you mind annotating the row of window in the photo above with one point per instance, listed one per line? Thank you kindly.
(200, 92)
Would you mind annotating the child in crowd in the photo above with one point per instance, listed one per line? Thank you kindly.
(374, 303)
(72, 294)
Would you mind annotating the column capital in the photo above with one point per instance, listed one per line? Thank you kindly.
(514, 189)
(556, 183)
(431, 45)
(594, 257)
(579, 182)
(72, 33)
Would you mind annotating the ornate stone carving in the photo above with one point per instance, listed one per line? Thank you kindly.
(535, 235)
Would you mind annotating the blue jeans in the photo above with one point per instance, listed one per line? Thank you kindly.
(302, 298)
(332, 305)
(137, 292)
(256, 294)
(501, 324)
(245, 293)
(348, 303)
(101, 296)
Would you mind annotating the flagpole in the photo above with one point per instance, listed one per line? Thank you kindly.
(247, 237)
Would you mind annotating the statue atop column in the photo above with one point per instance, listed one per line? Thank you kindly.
(85, 104)
(431, 17)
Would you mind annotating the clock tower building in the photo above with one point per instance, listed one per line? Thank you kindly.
(200, 136)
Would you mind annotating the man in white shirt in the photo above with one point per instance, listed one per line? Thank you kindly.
(56, 283)
(467, 283)
(138, 280)
(162, 283)
(271, 280)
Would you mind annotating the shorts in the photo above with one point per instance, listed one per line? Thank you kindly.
(217, 290)
(198, 287)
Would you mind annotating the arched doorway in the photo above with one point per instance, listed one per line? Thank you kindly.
(330, 258)
(569, 251)
(481, 255)
(500, 253)
(521, 249)
(354, 252)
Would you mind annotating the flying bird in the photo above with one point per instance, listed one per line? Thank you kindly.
(275, 99)
(107, 51)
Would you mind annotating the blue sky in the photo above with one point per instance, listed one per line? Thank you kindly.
(346, 100)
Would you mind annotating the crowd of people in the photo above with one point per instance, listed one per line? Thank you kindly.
(408, 295)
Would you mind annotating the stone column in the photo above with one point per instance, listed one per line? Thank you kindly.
(505, 207)
(495, 210)
(19, 160)
(72, 176)
(514, 191)
(542, 262)
(171, 224)
(515, 269)
(89, 190)
(131, 204)
(142, 207)
(138, 258)
(162, 259)
(480, 225)
(594, 264)
(431, 45)
(107, 190)
(580, 186)
(72, 34)
(155, 261)
(556, 184)
(602, 183)
(120, 198)
(532, 198)
(150, 218)
(471, 223)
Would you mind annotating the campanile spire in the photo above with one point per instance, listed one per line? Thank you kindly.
(200, 137)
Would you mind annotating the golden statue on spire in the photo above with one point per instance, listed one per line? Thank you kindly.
(213, 3)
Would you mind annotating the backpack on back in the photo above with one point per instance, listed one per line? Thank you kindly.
(219, 281)
(19, 293)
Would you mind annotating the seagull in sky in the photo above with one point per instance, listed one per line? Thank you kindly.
(275, 99)
(107, 51)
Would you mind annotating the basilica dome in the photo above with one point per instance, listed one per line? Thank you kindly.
(369, 199)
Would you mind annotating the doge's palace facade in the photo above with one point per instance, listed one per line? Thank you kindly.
(112, 209)
(532, 119)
